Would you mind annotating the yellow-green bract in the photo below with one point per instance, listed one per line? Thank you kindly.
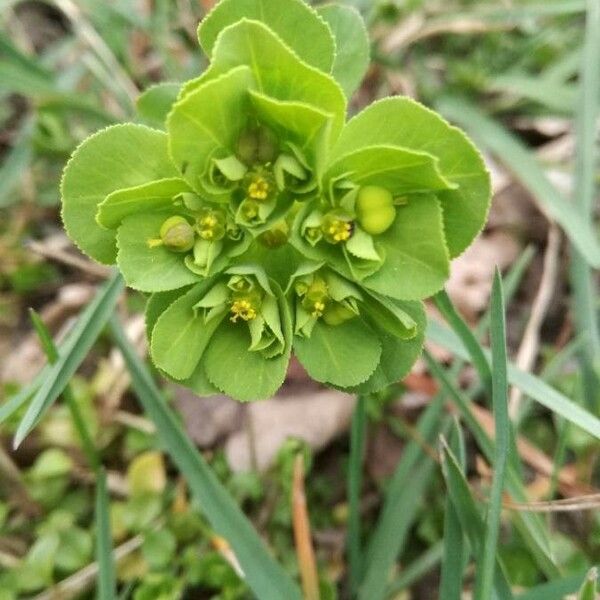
(261, 223)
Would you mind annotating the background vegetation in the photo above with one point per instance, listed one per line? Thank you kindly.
(394, 512)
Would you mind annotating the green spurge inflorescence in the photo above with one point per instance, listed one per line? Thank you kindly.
(260, 223)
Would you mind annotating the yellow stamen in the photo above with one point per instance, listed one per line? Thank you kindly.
(318, 308)
(339, 230)
(242, 309)
(259, 189)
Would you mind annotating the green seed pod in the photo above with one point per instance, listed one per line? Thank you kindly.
(257, 145)
(275, 237)
(337, 313)
(375, 210)
(176, 234)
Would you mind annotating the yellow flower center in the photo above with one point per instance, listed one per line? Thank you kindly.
(242, 309)
(259, 188)
(318, 309)
(339, 230)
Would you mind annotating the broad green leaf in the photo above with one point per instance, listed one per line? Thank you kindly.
(149, 269)
(148, 197)
(403, 122)
(296, 23)
(117, 157)
(208, 120)
(343, 355)
(107, 581)
(524, 165)
(265, 577)
(156, 306)
(397, 356)
(155, 103)
(303, 124)
(416, 261)
(198, 382)
(72, 353)
(243, 374)
(352, 51)
(399, 170)
(180, 335)
(277, 71)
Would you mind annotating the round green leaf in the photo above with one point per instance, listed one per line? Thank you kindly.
(416, 261)
(120, 156)
(405, 123)
(148, 197)
(155, 102)
(156, 306)
(343, 355)
(240, 373)
(352, 48)
(149, 269)
(181, 336)
(277, 71)
(397, 356)
(296, 23)
(208, 120)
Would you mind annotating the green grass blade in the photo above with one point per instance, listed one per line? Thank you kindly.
(531, 385)
(107, 580)
(416, 570)
(480, 362)
(471, 520)
(589, 589)
(486, 567)
(265, 577)
(84, 334)
(455, 549)
(585, 308)
(517, 157)
(553, 590)
(531, 527)
(401, 504)
(357, 446)
(52, 355)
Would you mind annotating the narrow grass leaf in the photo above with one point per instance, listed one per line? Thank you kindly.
(471, 520)
(522, 163)
(52, 355)
(357, 446)
(82, 338)
(480, 362)
(553, 590)
(486, 564)
(417, 569)
(266, 578)
(402, 500)
(455, 551)
(107, 580)
(530, 526)
(531, 385)
(589, 589)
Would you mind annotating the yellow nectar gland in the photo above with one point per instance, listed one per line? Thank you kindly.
(242, 309)
(339, 230)
(318, 309)
(259, 188)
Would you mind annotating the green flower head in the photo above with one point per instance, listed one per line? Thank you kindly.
(261, 222)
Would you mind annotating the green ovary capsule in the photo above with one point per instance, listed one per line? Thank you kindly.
(375, 210)
(176, 234)
(257, 145)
